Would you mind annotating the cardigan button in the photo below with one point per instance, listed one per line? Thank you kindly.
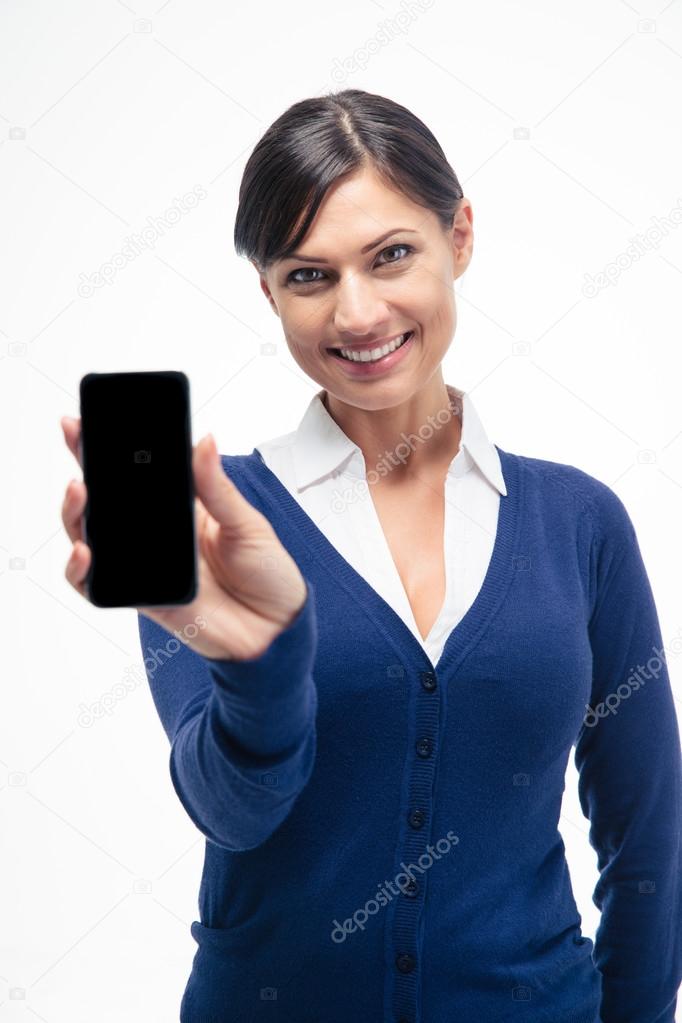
(428, 680)
(416, 818)
(405, 962)
(424, 747)
(411, 888)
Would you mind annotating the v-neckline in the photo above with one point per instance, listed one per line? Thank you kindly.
(493, 589)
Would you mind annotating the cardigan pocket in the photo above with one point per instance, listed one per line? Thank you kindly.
(234, 979)
(553, 989)
(242, 938)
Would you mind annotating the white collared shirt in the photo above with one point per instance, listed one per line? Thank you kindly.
(325, 472)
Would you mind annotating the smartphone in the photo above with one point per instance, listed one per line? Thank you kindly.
(136, 452)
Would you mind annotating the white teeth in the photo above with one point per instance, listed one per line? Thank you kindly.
(375, 353)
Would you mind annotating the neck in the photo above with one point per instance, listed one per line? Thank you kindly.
(418, 437)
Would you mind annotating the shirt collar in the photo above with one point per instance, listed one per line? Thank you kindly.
(321, 447)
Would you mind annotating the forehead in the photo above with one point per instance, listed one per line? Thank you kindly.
(363, 205)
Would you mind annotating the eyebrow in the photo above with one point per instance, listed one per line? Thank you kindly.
(372, 245)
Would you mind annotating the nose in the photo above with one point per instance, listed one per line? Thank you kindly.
(360, 310)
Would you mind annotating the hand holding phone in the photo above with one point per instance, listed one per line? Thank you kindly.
(249, 587)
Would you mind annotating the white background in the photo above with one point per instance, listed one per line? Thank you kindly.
(562, 122)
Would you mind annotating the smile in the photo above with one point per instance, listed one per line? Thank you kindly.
(373, 354)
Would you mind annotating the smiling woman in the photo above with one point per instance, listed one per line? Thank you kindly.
(416, 686)
(357, 226)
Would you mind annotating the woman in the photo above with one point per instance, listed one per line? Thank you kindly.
(407, 630)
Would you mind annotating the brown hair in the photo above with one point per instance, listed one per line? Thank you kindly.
(318, 140)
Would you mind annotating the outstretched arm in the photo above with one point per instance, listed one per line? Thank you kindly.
(242, 732)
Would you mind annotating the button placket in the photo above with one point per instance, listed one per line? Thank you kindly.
(425, 707)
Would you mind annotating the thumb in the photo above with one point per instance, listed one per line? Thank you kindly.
(219, 494)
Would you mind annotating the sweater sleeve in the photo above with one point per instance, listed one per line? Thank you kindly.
(630, 783)
(242, 733)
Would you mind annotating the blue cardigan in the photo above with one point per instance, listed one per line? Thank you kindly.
(382, 839)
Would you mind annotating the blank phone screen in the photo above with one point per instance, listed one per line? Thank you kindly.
(137, 468)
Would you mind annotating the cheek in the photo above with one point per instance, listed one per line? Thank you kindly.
(447, 318)
(434, 303)
(304, 347)
(440, 321)
(304, 332)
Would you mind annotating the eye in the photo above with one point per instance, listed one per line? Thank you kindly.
(392, 248)
(294, 279)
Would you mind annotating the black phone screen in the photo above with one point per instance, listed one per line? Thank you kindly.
(137, 467)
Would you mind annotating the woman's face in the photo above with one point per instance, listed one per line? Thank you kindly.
(333, 294)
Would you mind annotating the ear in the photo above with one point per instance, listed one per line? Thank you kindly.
(462, 236)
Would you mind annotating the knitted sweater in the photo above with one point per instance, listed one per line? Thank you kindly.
(381, 832)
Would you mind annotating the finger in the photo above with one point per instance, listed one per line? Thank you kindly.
(72, 509)
(200, 516)
(77, 567)
(218, 493)
(72, 434)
